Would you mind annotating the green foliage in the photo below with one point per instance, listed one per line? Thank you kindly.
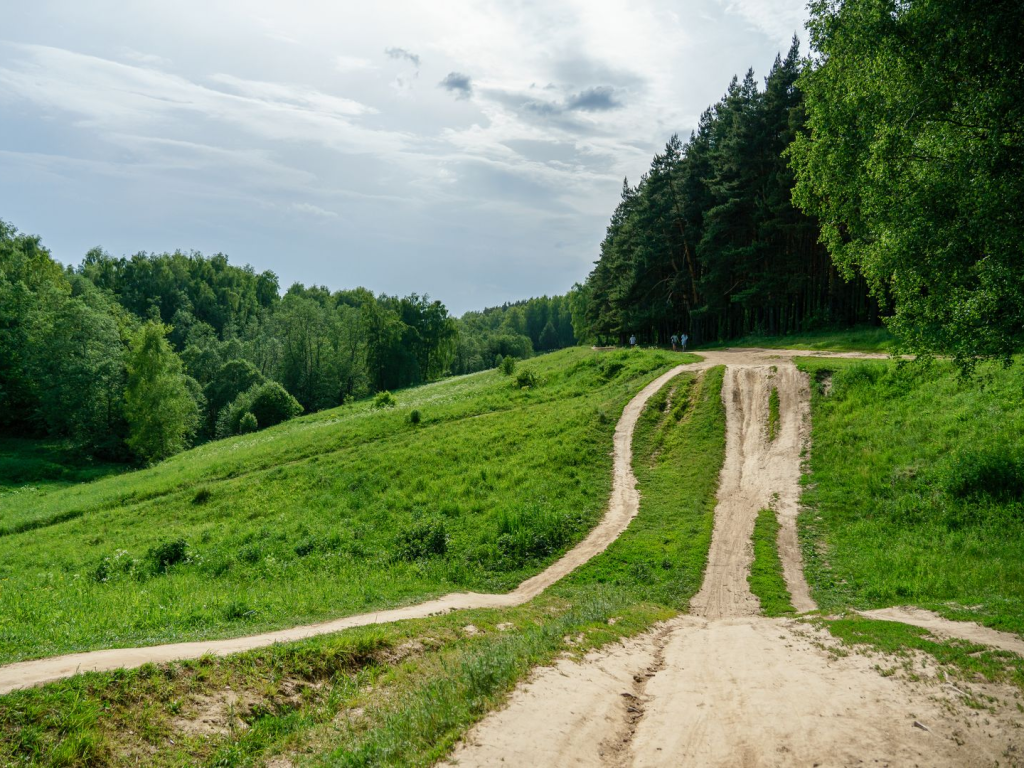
(913, 164)
(247, 423)
(709, 243)
(231, 379)
(268, 403)
(914, 493)
(507, 366)
(525, 378)
(766, 578)
(167, 554)
(414, 416)
(426, 538)
(383, 400)
(161, 413)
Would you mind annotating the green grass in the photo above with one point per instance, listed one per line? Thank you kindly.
(916, 489)
(400, 694)
(679, 447)
(342, 512)
(773, 414)
(766, 578)
(859, 339)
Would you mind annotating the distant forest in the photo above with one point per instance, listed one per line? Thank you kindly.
(141, 357)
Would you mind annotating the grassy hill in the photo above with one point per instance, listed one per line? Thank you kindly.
(344, 511)
(916, 490)
(401, 693)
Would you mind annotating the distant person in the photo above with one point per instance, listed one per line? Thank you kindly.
(632, 341)
(675, 340)
(684, 338)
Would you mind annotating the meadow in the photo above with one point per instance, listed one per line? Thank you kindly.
(345, 511)
(402, 693)
(916, 489)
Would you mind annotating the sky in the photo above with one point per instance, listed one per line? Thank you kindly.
(471, 151)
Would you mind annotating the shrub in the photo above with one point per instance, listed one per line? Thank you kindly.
(384, 400)
(202, 496)
(163, 556)
(248, 423)
(994, 472)
(414, 417)
(526, 378)
(424, 539)
(269, 403)
(508, 366)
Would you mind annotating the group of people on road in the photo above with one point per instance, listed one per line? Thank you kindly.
(678, 341)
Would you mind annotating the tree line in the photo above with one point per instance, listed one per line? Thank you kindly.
(709, 243)
(140, 357)
(881, 179)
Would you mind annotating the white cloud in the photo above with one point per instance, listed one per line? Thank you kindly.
(352, 64)
(313, 210)
(308, 113)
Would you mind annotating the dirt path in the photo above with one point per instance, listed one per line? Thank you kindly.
(964, 630)
(622, 508)
(726, 687)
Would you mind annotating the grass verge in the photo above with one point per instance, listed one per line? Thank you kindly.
(398, 694)
(766, 578)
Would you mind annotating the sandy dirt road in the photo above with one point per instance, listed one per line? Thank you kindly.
(726, 687)
(622, 508)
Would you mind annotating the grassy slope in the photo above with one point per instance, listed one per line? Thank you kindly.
(402, 693)
(307, 520)
(916, 491)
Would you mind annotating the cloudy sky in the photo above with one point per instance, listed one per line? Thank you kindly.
(469, 150)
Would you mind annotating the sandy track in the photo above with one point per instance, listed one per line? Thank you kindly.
(622, 508)
(726, 687)
(940, 627)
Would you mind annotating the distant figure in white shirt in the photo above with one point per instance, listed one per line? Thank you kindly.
(683, 339)
(675, 340)
(632, 341)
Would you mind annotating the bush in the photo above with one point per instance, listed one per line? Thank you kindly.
(414, 417)
(163, 556)
(202, 496)
(994, 472)
(425, 539)
(508, 366)
(269, 403)
(248, 423)
(526, 378)
(384, 400)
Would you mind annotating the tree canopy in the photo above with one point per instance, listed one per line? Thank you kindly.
(913, 161)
